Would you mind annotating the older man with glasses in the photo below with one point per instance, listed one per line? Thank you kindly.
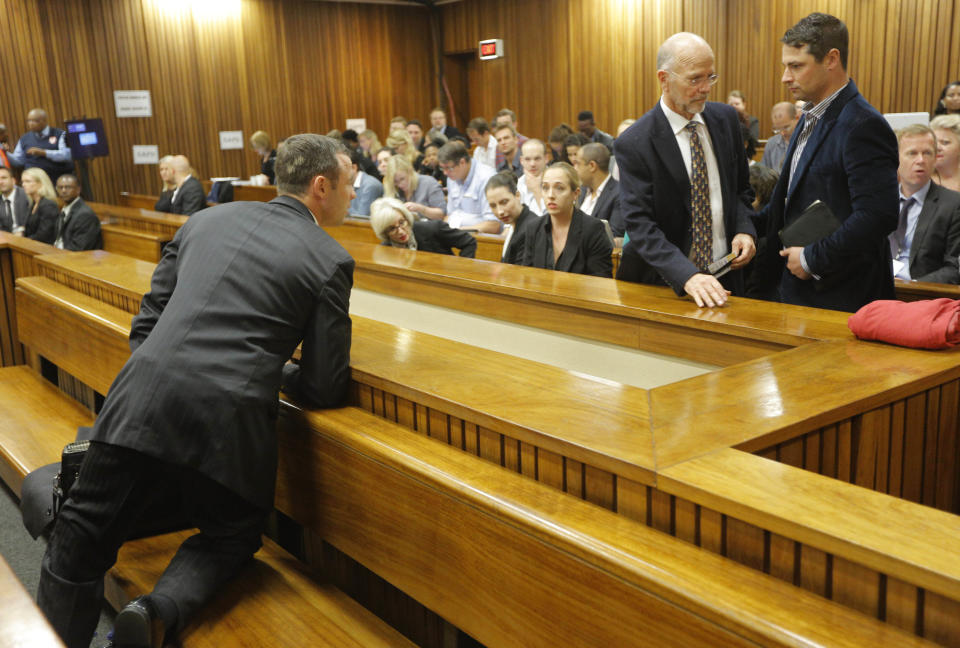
(687, 215)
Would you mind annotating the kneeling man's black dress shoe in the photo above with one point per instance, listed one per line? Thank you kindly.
(138, 625)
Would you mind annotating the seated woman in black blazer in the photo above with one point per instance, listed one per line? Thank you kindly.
(394, 225)
(41, 223)
(516, 217)
(566, 239)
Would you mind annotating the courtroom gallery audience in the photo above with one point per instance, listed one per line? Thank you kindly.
(735, 99)
(486, 145)
(467, 207)
(439, 126)
(558, 134)
(369, 143)
(949, 101)
(516, 217)
(600, 193)
(566, 239)
(395, 226)
(533, 157)
(571, 146)
(41, 222)
(420, 193)
(926, 243)
(266, 154)
(43, 146)
(947, 130)
(78, 228)
(784, 117)
(188, 198)
(167, 185)
(402, 144)
(588, 128)
(366, 187)
(14, 204)
(508, 149)
(415, 131)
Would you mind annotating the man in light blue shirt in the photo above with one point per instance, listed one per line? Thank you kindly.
(467, 206)
(785, 117)
(43, 146)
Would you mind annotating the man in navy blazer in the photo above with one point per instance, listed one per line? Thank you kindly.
(844, 154)
(655, 160)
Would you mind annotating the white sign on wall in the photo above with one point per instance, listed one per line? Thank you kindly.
(230, 140)
(146, 154)
(357, 125)
(133, 103)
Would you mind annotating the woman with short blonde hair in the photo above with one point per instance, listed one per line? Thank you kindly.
(260, 142)
(395, 226)
(421, 194)
(946, 128)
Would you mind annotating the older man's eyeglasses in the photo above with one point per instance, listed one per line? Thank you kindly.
(698, 81)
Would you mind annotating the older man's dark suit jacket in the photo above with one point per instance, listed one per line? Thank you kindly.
(190, 198)
(850, 163)
(82, 230)
(936, 241)
(655, 196)
(607, 206)
(233, 295)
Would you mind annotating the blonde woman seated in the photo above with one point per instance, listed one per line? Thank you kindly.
(165, 201)
(395, 226)
(401, 142)
(565, 238)
(41, 223)
(369, 143)
(421, 194)
(947, 130)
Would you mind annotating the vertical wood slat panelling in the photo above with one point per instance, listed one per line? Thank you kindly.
(282, 66)
(909, 449)
(568, 55)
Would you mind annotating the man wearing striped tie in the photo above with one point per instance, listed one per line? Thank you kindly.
(684, 183)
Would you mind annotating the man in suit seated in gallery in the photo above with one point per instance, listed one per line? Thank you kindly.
(600, 194)
(188, 197)
(78, 228)
(191, 417)
(926, 243)
(684, 182)
(14, 204)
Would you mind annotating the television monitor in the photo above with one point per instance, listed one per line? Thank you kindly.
(86, 138)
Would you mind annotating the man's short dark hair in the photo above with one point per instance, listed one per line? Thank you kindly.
(479, 124)
(821, 33)
(585, 115)
(596, 152)
(452, 153)
(350, 135)
(497, 129)
(69, 176)
(415, 121)
(575, 139)
(356, 157)
(7, 169)
(506, 112)
(303, 157)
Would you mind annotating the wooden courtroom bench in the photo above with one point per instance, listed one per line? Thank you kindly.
(277, 600)
(916, 290)
(22, 622)
(618, 470)
(589, 592)
(133, 243)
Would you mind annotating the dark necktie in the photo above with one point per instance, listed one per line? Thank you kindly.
(898, 237)
(61, 219)
(7, 213)
(700, 202)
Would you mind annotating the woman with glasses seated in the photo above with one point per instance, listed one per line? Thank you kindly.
(565, 238)
(421, 194)
(395, 226)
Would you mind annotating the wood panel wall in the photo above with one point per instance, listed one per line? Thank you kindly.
(563, 56)
(282, 66)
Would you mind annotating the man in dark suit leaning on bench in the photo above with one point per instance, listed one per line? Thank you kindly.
(193, 411)
(78, 228)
